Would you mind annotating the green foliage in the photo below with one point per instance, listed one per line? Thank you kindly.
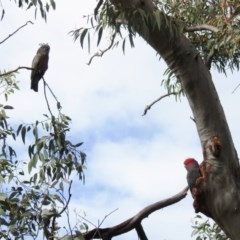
(172, 84)
(213, 28)
(121, 23)
(207, 230)
(39, 5)
(8, 84)
(35, 192)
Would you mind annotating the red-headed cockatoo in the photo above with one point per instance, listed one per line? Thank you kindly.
(193, 172)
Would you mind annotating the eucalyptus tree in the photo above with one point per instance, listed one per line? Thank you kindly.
(192, 37)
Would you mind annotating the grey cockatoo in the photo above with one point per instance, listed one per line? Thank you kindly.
(39, 65)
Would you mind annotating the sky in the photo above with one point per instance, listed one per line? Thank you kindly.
(132, 160)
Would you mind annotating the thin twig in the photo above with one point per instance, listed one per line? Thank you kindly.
(10, 35)
(101, 52)
(45, 83)
(106, 216)
(66, 207)
(15, 70)
(236, 88)
(99, 225)
(45, 95)
(55, 97)
(86, 220)
(63, 210)
(69, 198)
(148, 107)
(193, 119)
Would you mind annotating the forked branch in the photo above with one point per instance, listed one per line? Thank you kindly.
(135, 221)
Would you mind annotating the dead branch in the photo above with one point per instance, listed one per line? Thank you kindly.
(11, 34)
(135, 221)
(148, 107)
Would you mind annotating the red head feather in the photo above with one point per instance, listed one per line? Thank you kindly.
(189, 162)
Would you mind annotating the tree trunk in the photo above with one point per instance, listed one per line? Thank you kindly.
(218, 189)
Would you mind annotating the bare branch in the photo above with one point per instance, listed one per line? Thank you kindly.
(10, 35)
(148, 107)
(235, 88)
(201, 27)
(15, 70)
(193, 119)
(101, 52)
(107, 217)
(55, 97)
(45, 95)
(135, 221)
(99, 225)
(141, 232)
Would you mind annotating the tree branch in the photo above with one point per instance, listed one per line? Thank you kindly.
(201, 27)
(235, 88)
(53, 227)
(55, 97)
(45, 95)
(135, 221)
(15, 70)
(10, 35)
(148, 107)
(101, 52)
(140, 231)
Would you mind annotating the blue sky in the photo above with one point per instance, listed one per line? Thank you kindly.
(132, 161)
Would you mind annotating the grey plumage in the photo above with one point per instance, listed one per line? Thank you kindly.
(39, 65)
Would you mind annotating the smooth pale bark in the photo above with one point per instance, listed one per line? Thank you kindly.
(220, 185)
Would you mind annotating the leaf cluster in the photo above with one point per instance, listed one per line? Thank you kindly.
(8, 84)
(207, 230)
(40, 5)
(172, 84)
(212, 26)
